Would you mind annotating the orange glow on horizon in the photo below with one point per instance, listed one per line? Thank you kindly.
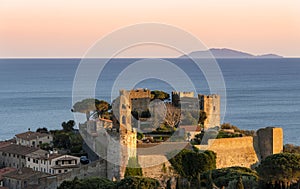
(60, 29)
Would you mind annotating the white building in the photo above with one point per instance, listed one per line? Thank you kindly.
(18, 156)
(33, 139)
(51, 163)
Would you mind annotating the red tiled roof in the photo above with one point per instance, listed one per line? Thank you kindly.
(190, 128)
(24, 173)
(106, 120)
(4, 143)
(18, 149)
(29, 135)
(6, 170)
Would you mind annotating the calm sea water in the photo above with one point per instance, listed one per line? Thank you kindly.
(260, 92)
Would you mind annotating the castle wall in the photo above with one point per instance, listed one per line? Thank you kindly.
(232, 151)
(155, 166)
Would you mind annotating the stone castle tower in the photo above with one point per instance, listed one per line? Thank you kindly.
(123, 145)
(211, 105)
(270, 141)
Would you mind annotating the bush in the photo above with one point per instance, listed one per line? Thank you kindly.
(133, 168)
(138, 183)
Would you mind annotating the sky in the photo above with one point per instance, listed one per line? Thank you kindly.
(35, 28)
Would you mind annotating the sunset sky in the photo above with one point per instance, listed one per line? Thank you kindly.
(44, 28)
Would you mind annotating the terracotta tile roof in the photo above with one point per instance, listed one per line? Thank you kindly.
(24, 173)
(190, 128)
(6, 170)
(29, 135)
(106, 120)
(18, 149)
(4, 143)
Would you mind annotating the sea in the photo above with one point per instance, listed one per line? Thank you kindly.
(259, 92)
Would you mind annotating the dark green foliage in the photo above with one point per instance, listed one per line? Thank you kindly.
(42, 130)
(237, 130)
(67, 139)
(89, 183)
(222, 177)
(138, 183)
(133, 168)
(202, 161)
(290, 148)
(161, 95)
(140, 136)
(202, 117)
(68, 126)
(89, 105)
(246, 182)
(280, 168)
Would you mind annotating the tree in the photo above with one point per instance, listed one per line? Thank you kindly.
(88, 183)
(42, 130)
(202, 117)
(69, 126)
(282, 169)
(102, 107)
(161, 95)
(230, 175)
(172, 117)
(202, 161)
(86, 106)
(138, 183)
(133, 168)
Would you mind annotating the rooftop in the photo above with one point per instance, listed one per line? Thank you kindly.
(18, 149)
(190, 128)
(6, 170)
(24, 173)
(29, 135)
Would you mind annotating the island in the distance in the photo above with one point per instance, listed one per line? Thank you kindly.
(226, 53)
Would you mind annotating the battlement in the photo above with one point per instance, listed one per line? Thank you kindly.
(183, 94)
(139, 93)
(208, 96)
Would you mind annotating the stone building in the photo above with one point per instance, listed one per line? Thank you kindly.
(271, 140)
(33, 139)
(139, 100)
(22, 178)
(114, 146)
(4, 171)
(14, 155)
(211, 105)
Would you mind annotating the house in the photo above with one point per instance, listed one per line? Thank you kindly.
(4, 171)
(22, 178)
(33, 139)
(51, 163)
(14, 155)
(190, 130)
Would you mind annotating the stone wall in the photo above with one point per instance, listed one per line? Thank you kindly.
(156, 166)
(232, 151)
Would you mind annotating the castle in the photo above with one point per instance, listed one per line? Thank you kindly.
(116, 141)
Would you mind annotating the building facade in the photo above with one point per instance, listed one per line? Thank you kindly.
(33, 139)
